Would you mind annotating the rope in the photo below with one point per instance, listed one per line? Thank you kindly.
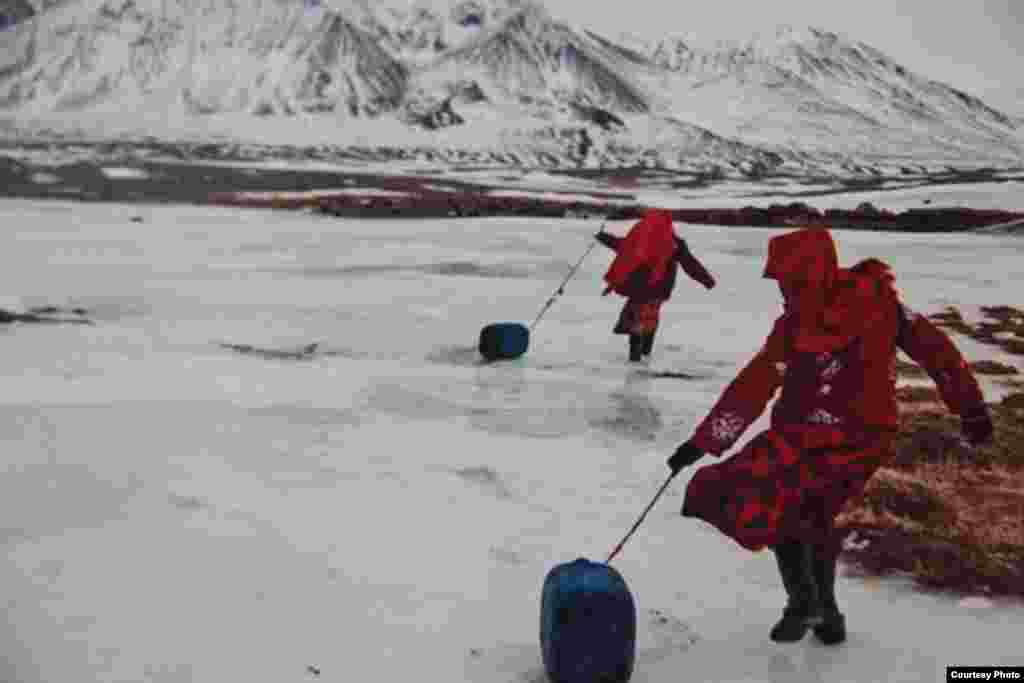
(640, 521)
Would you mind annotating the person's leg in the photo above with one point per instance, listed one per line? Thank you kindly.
(627, 325)
(649, 342)
(851, 467)
(650, 325)
(803, 609)
(636, 348)
(832, 630)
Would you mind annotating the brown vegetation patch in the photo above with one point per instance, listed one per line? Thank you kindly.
(917, 395)
(1011, 383)
(991, 367)
(952, 319)
(909, 369)
(949, 515)
(928, 437)
(1005, 315)
(947, 565)
(1014, 346)
(1014, 401)
(1004, 327)
(905, 500)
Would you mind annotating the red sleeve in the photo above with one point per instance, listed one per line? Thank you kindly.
(691, 266)
(933, 350)
(746, 397)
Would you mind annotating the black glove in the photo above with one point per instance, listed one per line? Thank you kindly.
(977, 427)
(685, 455)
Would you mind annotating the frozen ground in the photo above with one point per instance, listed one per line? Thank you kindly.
(173, 511)
(30, 173)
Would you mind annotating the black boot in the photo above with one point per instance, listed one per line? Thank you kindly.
(648, 343)
(636, 348)
(803, 610)
(832, 629)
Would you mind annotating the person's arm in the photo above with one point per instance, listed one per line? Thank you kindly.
(933, 350)
(692, 266)
(745, 398)
(608, 240)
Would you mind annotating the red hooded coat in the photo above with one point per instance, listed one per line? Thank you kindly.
(650, 246)
(644, 266)
(833, 354)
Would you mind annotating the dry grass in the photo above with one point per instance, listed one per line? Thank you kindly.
(949, 515)
(1014, 346)
(1004, 326)
(981, 367)
(952, 319)
(917, 395)
(991, 367)
(1011, 383)
(904, 369)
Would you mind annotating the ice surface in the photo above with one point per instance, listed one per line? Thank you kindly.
(173, 510)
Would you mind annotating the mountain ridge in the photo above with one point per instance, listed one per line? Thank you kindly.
(521, 79)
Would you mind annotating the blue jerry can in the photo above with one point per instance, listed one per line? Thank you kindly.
(504, 340)
(587, 624)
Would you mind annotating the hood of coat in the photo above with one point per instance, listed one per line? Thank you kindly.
(660, 222)
(806, 266)
(645, 255)
(828, 306)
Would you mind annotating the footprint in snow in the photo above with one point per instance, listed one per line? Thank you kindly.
(466, 356)
(670, 634)
(506, 556)
(485, 477)
(631, 416)
(506, 664)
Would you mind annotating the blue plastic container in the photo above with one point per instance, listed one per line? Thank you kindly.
(504, 340)
(587, 624)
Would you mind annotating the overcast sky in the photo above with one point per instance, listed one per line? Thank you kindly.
(974, 45)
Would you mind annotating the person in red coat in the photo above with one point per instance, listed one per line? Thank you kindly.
(644, 271)
(833, 354)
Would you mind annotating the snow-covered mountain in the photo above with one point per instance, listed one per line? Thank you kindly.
(532, 58)
(206, 56)
(823, 74)
(500, 76)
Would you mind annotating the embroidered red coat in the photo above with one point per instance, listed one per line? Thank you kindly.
(833, 423)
